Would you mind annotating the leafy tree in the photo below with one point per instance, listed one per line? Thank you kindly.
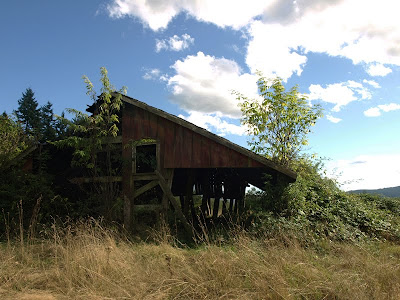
(28, 113)
(279, 122)
(12, 140)
(91, 135)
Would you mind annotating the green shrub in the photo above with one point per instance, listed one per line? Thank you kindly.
(314, 207)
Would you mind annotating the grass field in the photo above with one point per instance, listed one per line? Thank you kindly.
(87, 261)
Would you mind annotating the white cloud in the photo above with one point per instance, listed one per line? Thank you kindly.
(214, 122)
(151, 74)
(175, 43)
(368, 171)
(377, 111)
(282, 32)
(203, 83)
(339, 94)
(333, 119)
(158, 13)
(372, 83)
(372, 112)
(370, 36)
(389, 107)
(272, 51)
(378, 70)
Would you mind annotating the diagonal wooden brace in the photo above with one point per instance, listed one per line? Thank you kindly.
(171, 198)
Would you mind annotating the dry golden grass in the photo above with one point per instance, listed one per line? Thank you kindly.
(86, 261)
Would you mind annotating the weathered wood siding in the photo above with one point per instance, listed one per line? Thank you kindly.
(180, 147)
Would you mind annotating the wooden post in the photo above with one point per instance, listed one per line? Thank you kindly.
(169, 175)
(171, 198)
(188, 203)
(217, 197)
(128, 187)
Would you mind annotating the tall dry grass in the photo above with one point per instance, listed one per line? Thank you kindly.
(88, 261)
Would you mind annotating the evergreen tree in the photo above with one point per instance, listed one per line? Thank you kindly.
(28, 113)
(47, 123)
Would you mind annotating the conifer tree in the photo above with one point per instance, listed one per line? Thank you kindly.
(47, 123)
(28, 113)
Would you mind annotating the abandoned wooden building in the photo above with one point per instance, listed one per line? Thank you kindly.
(171, 158)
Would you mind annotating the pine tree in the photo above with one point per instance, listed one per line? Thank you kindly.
(28, 113)
(47, 123)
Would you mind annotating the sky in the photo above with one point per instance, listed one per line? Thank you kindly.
(186, 56)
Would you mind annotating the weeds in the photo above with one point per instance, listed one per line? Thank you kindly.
(88, 260)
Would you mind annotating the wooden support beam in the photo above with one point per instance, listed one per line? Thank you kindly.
(145, 188)
(217, 197)
(79, 180)
(144, 176)
(175, 204)
(169, 176)
(147, 207)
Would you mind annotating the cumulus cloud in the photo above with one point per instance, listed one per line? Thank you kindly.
(291, 29)
(377, 111)
(214, 122)
(372, 112)
(203, 83)
(175, 43)
(378, 70)
(276, 55)
(282, 32)
(365, 171)
(157, 14)
(339, 94)
(333, 119)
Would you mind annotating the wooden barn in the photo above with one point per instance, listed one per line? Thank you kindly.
(172, 161)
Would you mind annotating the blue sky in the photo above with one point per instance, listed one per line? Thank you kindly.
(185, 56)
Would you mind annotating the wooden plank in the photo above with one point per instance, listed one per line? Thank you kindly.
(145, 124)
(196, 151)
(145, 188)
(147, 207)
(79, 180)
(153, 125)
(171, 198)
(137, 124)
(169, 141)
(214, 154)
(186, 151)
(225, 154)
(178, 146)
(205, 152)
(161, 139)
(144, 176)
(168, 175)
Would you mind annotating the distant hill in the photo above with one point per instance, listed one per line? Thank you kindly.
(388, 192)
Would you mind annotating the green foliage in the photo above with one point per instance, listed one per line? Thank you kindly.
(38, 122)
(47, 123)
(314, 207)
(279, 122)
(12, 140)
(89, 133)
(28, 113)
(90, 138)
